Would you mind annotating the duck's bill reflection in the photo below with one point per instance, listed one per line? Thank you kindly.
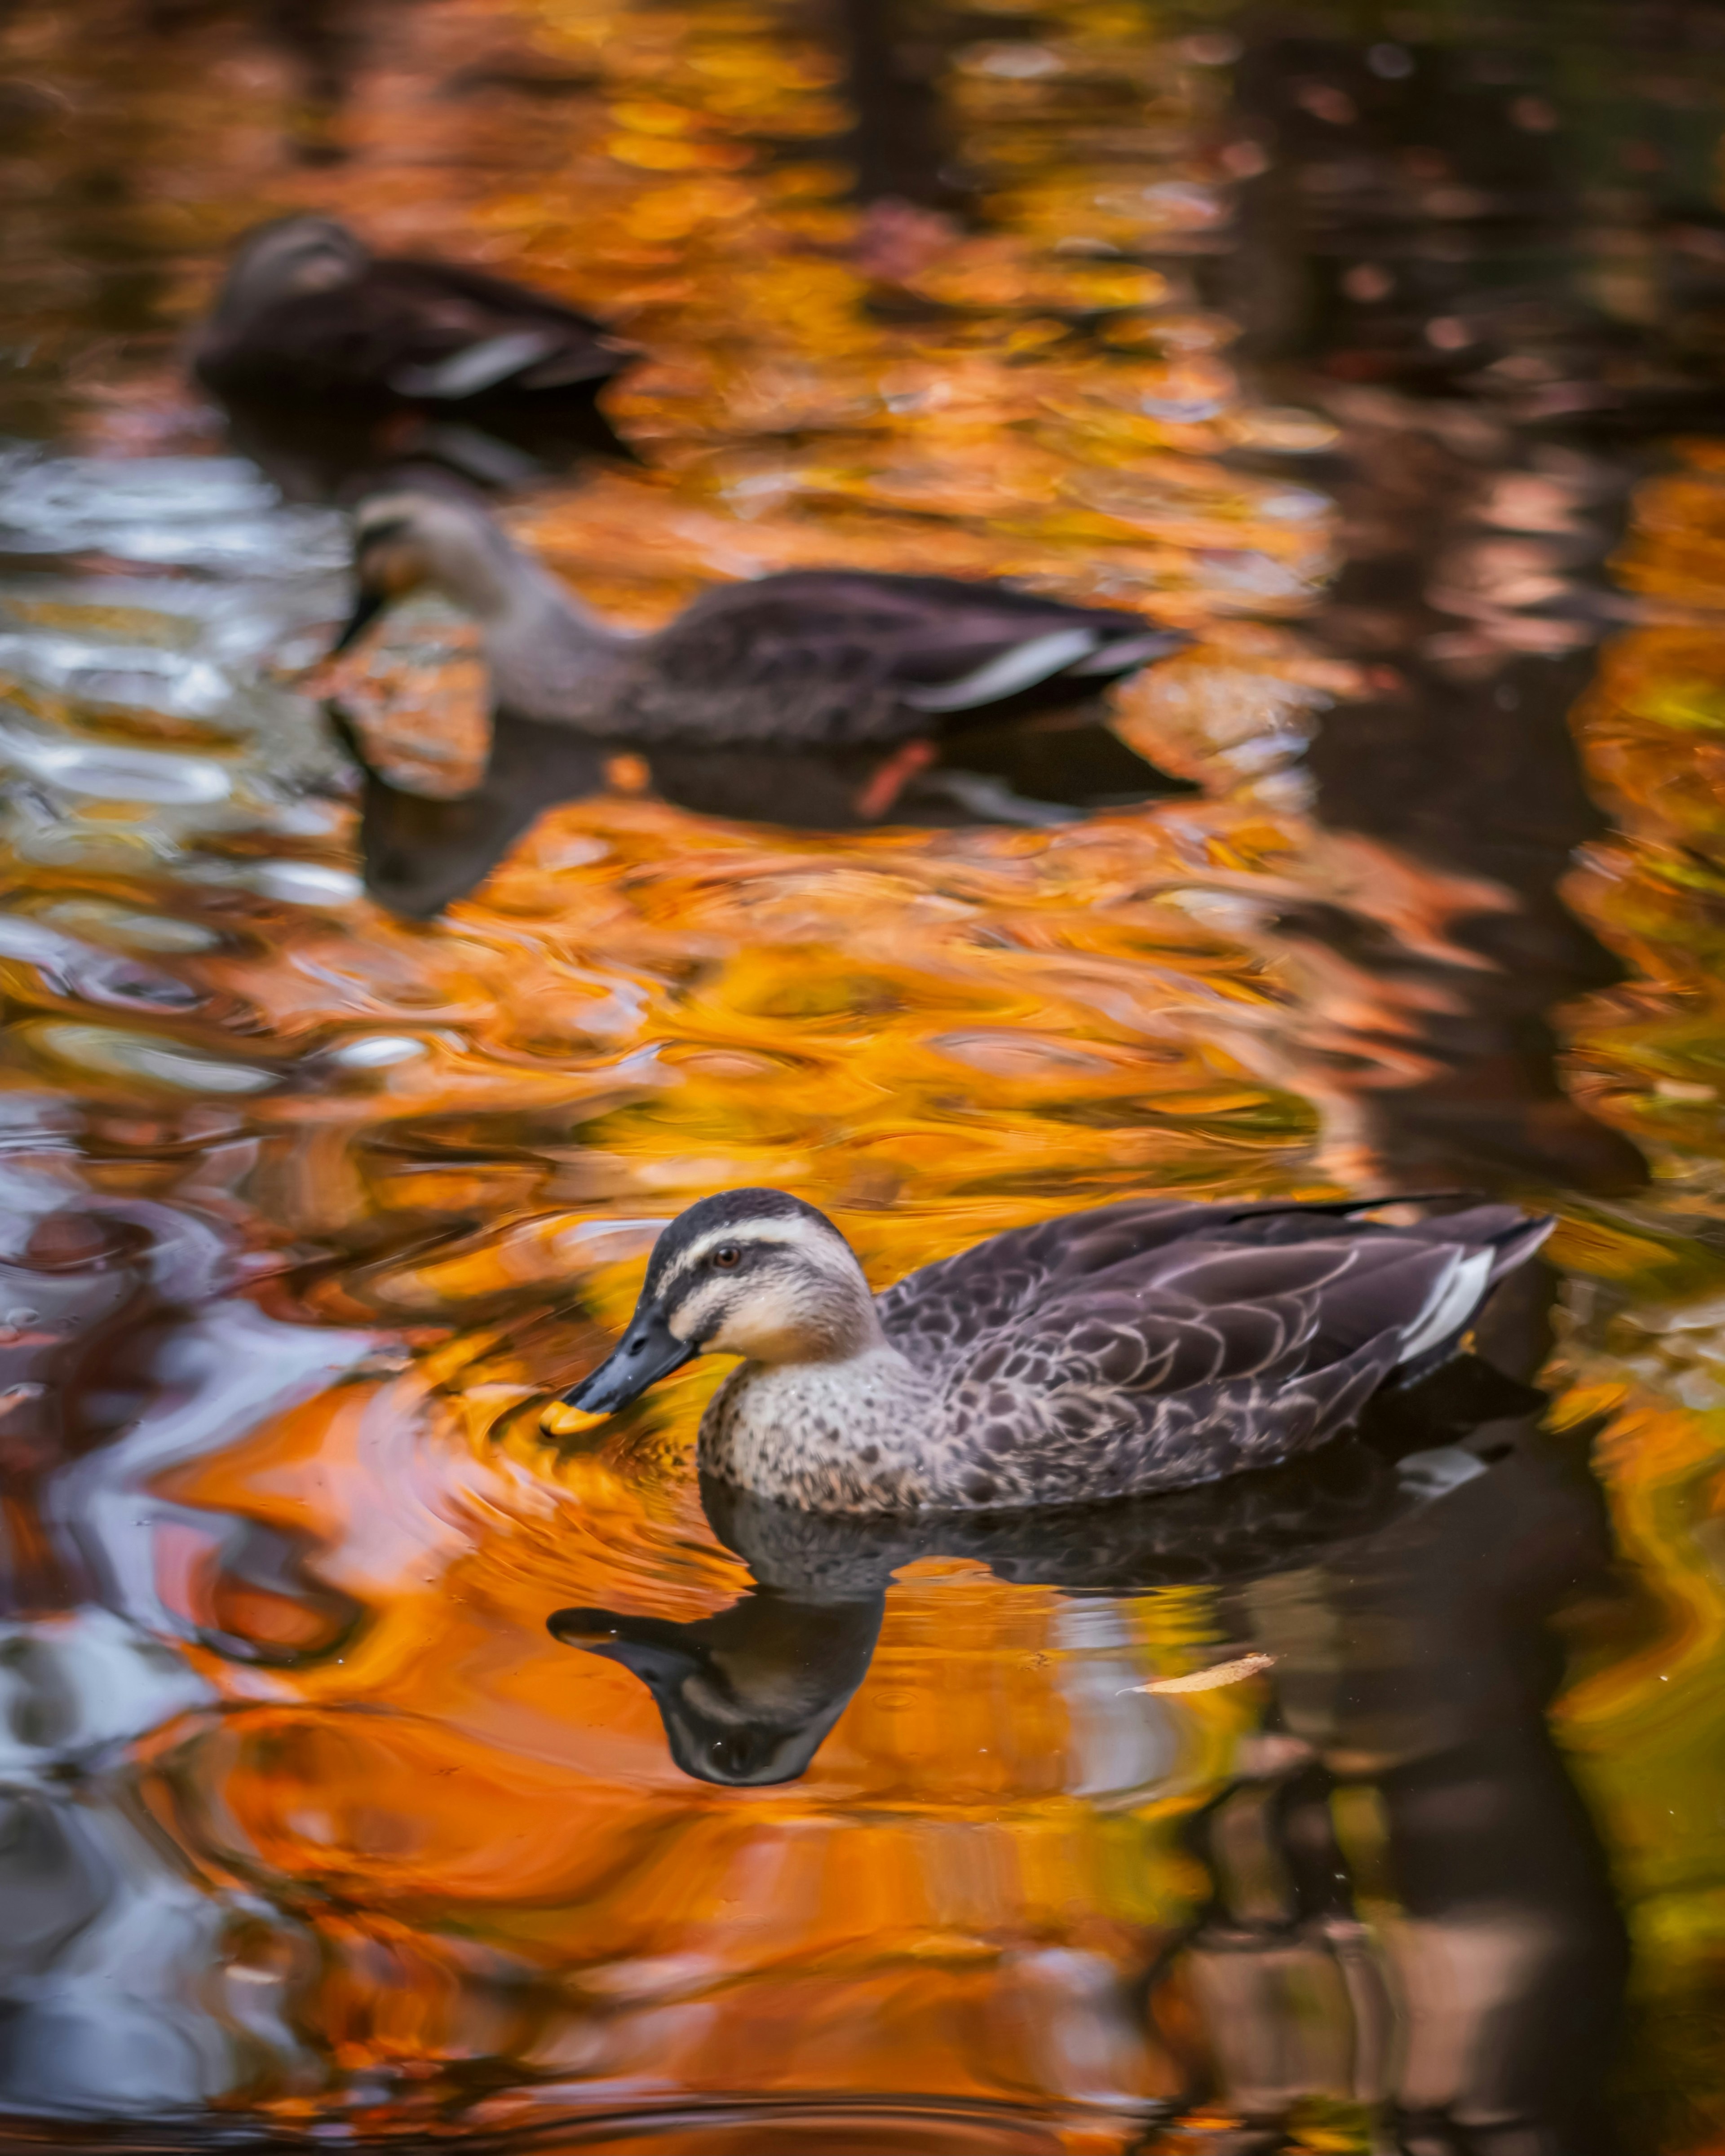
(648, 1352)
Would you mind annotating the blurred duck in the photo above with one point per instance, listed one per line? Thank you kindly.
(1137, 1347)
(308, 315)
(820, 659)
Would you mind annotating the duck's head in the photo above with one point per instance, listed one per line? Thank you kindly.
(755, 1273)
(289, 257)
(406, 541)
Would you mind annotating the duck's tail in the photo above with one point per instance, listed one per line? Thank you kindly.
(1489, 1240)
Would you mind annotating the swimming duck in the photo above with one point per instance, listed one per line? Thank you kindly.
(807, 659)
(1137, 1347)
(308, 310)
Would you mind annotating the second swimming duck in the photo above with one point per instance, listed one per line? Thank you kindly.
(1136, 1347)
(807, 659)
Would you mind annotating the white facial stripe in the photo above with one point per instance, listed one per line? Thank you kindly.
(787, 1228)
(686, 1321)
(776, 1318)
(806, 1300)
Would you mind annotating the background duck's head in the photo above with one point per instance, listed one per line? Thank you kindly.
(755, 1273)
(408, 540)
(289, 257)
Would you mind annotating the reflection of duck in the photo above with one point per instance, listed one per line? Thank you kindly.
(1139, 1347)
(749, 1695)
(820, 659)
(340, 449)
(422, 852)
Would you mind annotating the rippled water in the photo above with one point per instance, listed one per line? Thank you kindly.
(1382, 354)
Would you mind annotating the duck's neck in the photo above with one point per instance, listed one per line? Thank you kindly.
(541, 596)
(848, 1433)
(549, 658)
(515, 598)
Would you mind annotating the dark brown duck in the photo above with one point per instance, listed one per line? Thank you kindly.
(308, 310)
(818, 658)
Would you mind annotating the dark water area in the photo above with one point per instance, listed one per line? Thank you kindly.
(374, 1770)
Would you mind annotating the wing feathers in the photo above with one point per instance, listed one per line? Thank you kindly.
(1148, 1345)
(842, 656)
(1456, 1296)
(1021, 666)
(477, 366)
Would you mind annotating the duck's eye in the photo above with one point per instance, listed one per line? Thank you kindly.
(727, 1258)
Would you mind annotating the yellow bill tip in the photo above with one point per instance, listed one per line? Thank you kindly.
(560, 1419)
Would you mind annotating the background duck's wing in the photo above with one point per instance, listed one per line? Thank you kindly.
(469, 332)
(419, 330)
(828, 657)
(1228, 1348)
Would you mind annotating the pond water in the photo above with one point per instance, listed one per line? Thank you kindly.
(1377, 348)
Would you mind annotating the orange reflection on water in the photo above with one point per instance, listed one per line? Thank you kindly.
(453, 1858)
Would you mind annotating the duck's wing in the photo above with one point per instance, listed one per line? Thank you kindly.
(934, 1315)
(939, 1313)
(419, 330)
(462, 332)
(832, 657)
(1211, 1353)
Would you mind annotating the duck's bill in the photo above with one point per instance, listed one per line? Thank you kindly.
(648, 1352)
(367, 607)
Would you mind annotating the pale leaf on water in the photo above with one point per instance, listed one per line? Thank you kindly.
(1210, 1680)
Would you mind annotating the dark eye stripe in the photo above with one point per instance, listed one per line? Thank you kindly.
(376, 535)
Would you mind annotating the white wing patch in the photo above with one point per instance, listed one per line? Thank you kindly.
(477, 366)
(1020, 668)
(1124, 655)
(1452, 1303)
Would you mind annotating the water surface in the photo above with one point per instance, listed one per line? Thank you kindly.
(1382, 354)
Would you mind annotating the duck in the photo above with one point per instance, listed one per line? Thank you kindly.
(309, 324)
(1136, 1347)
(808, 659)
